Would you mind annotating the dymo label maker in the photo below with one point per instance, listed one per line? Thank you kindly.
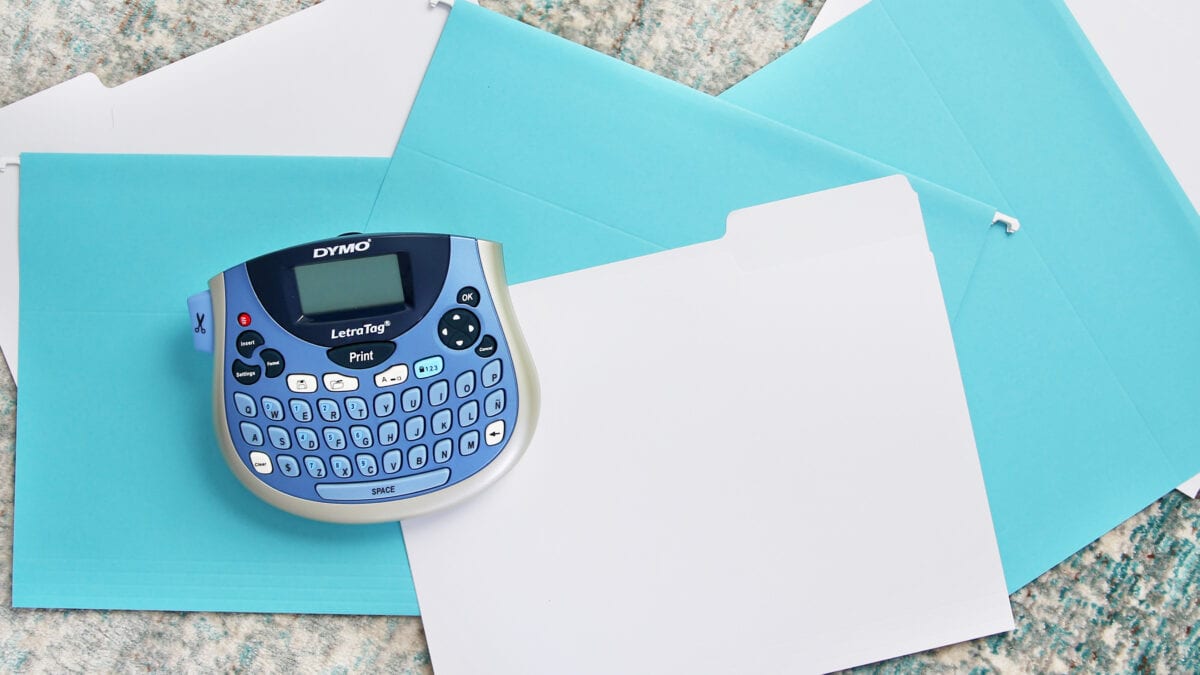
(368, 378)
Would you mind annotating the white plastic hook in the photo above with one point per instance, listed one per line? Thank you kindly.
(1010, 224)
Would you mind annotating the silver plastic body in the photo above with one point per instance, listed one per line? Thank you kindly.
(529, 401)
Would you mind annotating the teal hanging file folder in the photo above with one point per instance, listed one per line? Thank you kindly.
(121, 500)
(1008, 102)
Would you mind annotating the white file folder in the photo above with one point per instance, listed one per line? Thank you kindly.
(754, 455)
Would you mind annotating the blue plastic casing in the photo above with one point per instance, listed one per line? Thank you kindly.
(390, 428)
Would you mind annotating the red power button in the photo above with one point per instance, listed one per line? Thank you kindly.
(243, 319)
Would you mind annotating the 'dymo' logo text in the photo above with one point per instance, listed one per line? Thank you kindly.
(341, 249)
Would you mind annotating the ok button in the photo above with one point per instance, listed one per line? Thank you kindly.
(362, 355)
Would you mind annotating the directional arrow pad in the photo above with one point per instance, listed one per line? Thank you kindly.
(458, 329)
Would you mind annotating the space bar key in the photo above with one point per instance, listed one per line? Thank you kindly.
(383, 489)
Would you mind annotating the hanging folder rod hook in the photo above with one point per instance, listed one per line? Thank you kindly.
(6, 162)
(1011, 225)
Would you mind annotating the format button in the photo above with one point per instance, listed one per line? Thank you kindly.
(248, 341)
(339, 382)
(362, 355)
(273, 360)
(244, 373)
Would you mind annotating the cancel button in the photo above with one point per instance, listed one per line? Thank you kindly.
(362, 355)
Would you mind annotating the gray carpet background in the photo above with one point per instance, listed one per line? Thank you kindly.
(1128, 603)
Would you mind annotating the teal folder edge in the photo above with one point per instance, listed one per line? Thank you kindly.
(1066, 451)
(1008, 102)
(122, 499)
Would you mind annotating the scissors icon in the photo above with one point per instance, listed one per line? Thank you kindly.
(200, 325)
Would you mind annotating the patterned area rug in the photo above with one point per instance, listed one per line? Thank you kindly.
(1124, 604)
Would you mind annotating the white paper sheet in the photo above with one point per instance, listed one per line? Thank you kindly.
(753, 455)
(337, 79)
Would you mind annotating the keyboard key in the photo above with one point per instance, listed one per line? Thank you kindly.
(389, 433)
(251, 434)
(261, 462)
(468, 413)
(272, 409)
(392, 376)
(443, 450)
(410, 400)
(306, 439)
(468, 443)
(339, 382)
(341, 466)
(273, 360)
(302, 384)
(418, 456)
(361, 436)
(245, 404)
(458, 329)
(494, 433)
(301, 410)
(492, 373)
(246, 374)
(441, 421)
(248, 341)
(314, 466)
(494, 403)
(334, 438)
(487, 347)
(366, 465)
(383, 489)
(362, 355)
(468, 295)
(428, 367)
(393, 461)
(329, 410)
(414, 428)
(280, 439)
(385, 404)
(356, 408)
(438, 392)
(288, 465)
(464, 385)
